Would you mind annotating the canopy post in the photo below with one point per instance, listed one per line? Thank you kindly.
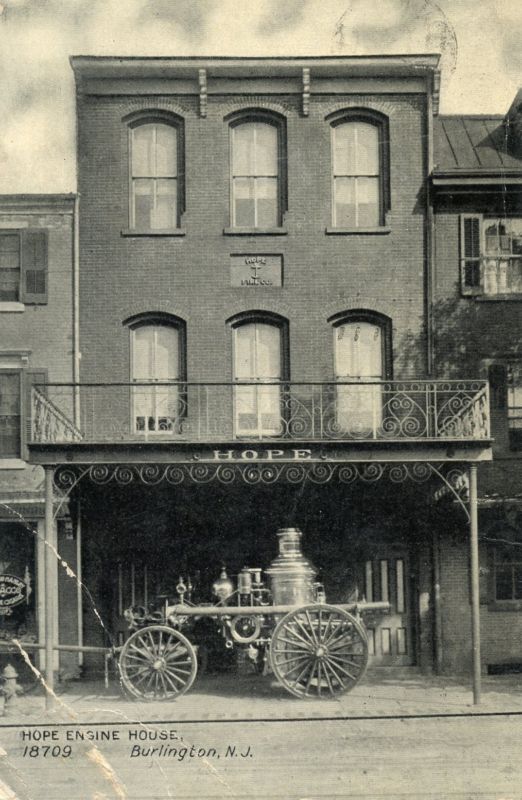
(51, 587)
(475, 597)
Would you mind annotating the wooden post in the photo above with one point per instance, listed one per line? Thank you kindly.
(475, 597)
(51, 589)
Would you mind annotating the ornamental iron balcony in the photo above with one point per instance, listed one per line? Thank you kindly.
(387, 411)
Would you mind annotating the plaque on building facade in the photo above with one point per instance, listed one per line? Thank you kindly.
(256, 270)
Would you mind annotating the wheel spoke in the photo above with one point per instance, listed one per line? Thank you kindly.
(174, 687)
(327, 678)
(304, 646)
(295, 681)
(335, 673)
(319, 678)
(293, 632)
(312, 631)
(310, 639)
(295, 658)
(345, 671)
(309, 681)
(175, 676)
(301, 651)
(145, 653)
(344, 660)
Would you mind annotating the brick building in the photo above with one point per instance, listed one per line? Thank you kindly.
(269, 249)
(36, 346)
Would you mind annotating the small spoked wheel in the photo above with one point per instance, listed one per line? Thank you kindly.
(157, 663)
(319, 651)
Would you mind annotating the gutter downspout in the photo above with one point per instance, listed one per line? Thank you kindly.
(430, 237)
(76, 310)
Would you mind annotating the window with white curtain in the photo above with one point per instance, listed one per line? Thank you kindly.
(255, 175)
(258, 365)
(156, 374)
(357, 201)
(154, 176)
(358, 348)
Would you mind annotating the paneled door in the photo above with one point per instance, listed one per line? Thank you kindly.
(386, 577)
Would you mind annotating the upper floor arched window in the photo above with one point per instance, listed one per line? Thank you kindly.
(257, 171)
(260, 365)
(155, 174)
(360, 194)
(158, 370)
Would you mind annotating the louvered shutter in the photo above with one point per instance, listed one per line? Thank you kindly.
(470, 264)
(34, 266)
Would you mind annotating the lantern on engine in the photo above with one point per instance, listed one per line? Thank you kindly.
(291, 575)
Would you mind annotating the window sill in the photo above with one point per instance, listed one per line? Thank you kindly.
(498, 298)
(12, 463)
(255, 231)
(505, 605)
(153, 232)
(382, 229)
(11, 307)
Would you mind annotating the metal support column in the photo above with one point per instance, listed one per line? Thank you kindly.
(51, 590)
(475, 597)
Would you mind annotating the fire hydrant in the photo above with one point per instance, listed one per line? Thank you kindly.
(10, 688)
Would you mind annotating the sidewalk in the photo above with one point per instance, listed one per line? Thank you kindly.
(383, 692)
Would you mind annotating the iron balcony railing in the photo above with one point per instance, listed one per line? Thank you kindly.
(245, 411)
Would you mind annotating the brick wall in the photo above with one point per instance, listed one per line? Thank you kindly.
(189, 276)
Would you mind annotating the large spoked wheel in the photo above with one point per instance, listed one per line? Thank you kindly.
(319, 651)
(157, 663)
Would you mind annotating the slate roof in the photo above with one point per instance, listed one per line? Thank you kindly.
(472, 144)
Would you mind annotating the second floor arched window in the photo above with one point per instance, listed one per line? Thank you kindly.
(154, 176)
(259, 366)
(256, 180)
(157, 375)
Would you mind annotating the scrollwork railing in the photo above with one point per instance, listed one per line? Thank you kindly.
(262, 410)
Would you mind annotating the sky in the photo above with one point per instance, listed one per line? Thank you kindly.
(480, 42)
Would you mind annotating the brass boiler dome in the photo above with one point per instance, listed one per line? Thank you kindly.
(291, 575)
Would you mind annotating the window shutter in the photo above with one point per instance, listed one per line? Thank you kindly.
(470, 267)
(34, 266)
(497, 376)
(32, 378)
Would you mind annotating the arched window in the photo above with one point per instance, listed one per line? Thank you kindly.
(260, 365)
(157, 375)
(361, 358)
(359, 171)
(257, 171)
(155, 175)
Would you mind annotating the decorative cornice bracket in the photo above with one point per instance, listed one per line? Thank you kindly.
(306, 91)
(203, 92)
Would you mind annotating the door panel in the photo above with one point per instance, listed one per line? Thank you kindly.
(386, 578)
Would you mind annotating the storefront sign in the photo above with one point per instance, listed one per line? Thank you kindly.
(256, 270)
(13, 591)
(272, 454)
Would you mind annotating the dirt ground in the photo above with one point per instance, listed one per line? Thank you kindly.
(396, 735)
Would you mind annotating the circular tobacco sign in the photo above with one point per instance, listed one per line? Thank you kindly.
(12, 591)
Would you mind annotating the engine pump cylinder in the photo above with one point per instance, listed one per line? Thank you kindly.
(291, 575)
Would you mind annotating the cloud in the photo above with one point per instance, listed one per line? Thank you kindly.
(37, 37)
(281, 16)
(190, 15)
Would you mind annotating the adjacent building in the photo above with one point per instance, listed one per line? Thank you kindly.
(36, 346)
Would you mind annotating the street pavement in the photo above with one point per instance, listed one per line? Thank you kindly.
(396, 735)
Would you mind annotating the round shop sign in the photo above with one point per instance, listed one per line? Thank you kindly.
(12, 591)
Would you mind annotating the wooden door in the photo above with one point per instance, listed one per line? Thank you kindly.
(386, 577)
